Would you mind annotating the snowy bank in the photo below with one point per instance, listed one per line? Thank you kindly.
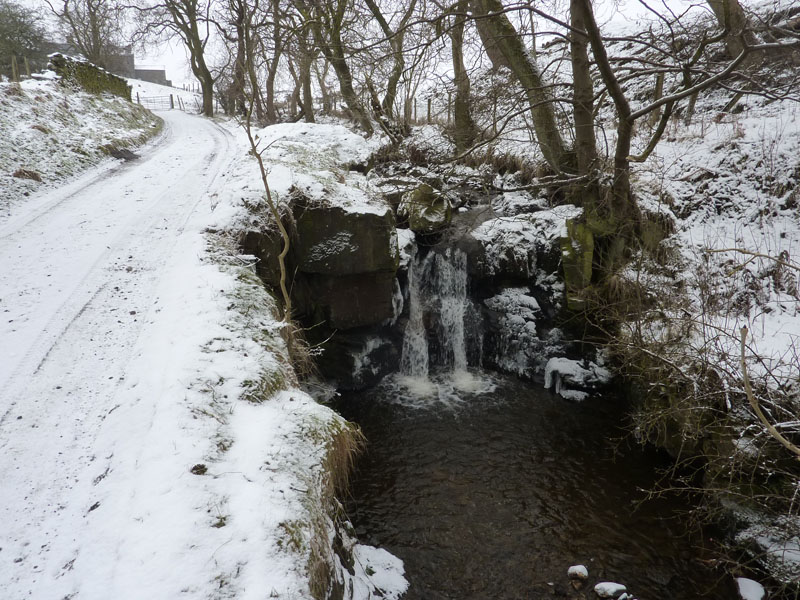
(50, 133)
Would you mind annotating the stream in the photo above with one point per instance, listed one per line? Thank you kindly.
(489, 487)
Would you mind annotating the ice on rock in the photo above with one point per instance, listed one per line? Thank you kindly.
(564, 374)
(578, 572)
(609, 589)
(749, 589)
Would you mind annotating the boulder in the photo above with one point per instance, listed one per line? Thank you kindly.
(574, 379)
(333, 240)
(749, 589)
(578, 575)
(518, 248)
(427, 210)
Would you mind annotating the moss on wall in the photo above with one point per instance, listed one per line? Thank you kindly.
(88, 76)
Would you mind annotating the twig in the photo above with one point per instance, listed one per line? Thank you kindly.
(755, 406)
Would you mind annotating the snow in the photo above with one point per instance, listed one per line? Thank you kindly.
(315, 158)
(192, 100)
(510, 204)
(383, 570)
(749, 589)
(563, 373)
(777, 543)
(60, 133)
(578, 572)
(519, 348)
(138, 345)
(608, 589)
(430, 141)
(515, 239)
(405, 243)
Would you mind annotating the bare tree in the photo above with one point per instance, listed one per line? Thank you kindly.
(327, 20)
(732, 20)
(21, 36)
(499, 30)
(92, 26)
(395, 38)
(190, 21)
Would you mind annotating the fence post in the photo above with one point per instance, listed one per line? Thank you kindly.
(137, 98)
(429, 111)
(171, 102)
(14, 69)
(27, 66)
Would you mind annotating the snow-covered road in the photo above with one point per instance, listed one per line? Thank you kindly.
(79, 274)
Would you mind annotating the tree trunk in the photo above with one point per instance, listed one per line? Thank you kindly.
(500, 30)
(272, 113)
(496, 57)
(731, 17)
(615, 220)
(327, 101)
(305, 80)
(237, 89)
(582, 93)
(207, 87)
(328, 38)
(273, 63)
(464, 127)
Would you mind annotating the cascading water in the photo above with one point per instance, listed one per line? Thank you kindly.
(436, 333)
(414, 359)
(449, 284)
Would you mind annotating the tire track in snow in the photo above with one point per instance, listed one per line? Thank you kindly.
(111, 239)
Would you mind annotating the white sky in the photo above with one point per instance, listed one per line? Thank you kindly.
(173, 57)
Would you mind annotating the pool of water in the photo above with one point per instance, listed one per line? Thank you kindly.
(488, 487)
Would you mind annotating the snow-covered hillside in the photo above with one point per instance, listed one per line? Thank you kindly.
(49, 134)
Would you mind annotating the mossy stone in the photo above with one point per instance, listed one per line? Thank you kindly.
(427, 210)
(577, 250)
(90, 77)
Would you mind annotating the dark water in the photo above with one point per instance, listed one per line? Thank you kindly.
(495, 495)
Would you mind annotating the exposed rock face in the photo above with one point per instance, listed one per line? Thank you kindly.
(519, 338)
(516, 248)
(347, 301)
(266, 246)
(513, 263)
(341, 270)
(351, 292)
(332, 240)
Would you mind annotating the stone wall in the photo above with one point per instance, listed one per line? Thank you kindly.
(88, 76)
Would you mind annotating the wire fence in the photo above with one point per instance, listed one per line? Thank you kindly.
(169, 102)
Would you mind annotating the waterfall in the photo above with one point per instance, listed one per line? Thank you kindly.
(437, 301)
(448, 278)
(414, 360)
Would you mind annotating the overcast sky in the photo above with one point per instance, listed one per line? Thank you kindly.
(610, 13)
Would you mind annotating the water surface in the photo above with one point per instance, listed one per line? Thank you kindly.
(496, 494)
